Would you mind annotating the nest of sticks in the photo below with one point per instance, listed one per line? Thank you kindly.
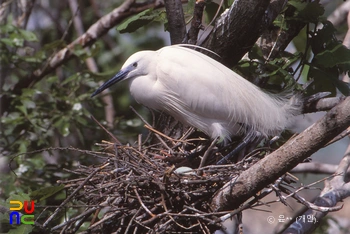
(144, 189)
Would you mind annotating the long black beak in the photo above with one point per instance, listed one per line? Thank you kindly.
(115, 79)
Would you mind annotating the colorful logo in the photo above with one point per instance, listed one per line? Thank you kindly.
(27, 217)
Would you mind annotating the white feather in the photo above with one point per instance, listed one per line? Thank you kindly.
(203, 93)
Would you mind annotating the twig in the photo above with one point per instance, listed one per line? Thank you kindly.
(104, 219)
(132, 220)
(149, 127)
(143, 205)
(208, 152)
(312, 206)
(88, 212)
(339, 137)
(108, 132)
(73, 193)
(245, 206)
(309, 185)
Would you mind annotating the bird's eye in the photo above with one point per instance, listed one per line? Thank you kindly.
(134, 64)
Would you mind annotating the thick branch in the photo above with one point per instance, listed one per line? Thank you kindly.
(196, 22)
(284, 159)
(237, 29)
(176, 21)
(323, 104)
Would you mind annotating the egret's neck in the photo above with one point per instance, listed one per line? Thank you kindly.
(144, 90)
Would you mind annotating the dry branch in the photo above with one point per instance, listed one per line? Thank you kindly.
(146, 194)
(284, 159)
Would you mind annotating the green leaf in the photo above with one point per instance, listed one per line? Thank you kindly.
(43, 193)
(343, 87)
(7, 41)
(30, 59)
(308, 12)
(29, 104)
(80, 52)
(324, 38)
(62, 126)
(81, 120)
(324, 80)
(7, 28)
(28, 92)
(189, 8)
(210, 11)
(23, 109)
(71, 79)
(10, 83)
(21, 229)
(133, 122)
(19, 197)
(11, 118)
(137, 21)
(54, 45)
(28, 35)
(227, 3)
(17, 39)
(330, 58)
(23, 146)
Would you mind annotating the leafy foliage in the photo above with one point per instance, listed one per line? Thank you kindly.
(55, 110)
(330, 60)
(322, 61)
(143, 18)
(309, 12)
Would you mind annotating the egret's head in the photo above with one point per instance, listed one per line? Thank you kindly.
(136, 65)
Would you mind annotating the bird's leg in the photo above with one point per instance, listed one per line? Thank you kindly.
(208, 152)
(226, 159)
(195, 152)
(274, 139)
(247, 139)
(316, 97)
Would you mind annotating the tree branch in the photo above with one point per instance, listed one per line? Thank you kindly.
(196, 22)
(176, 21)
(316, 168)
(237, 29)
(284, 159)
(323, 104)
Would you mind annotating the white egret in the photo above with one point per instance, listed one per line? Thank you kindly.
(203, 93)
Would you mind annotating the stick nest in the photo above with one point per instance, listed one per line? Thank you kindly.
(135, 190)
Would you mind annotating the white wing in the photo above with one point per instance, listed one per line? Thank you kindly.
(199, 89)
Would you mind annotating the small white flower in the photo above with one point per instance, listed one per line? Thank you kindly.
(77, 106)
